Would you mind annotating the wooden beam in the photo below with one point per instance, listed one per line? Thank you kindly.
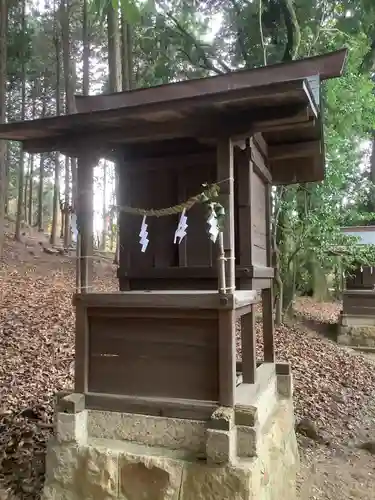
(225, 179)
(227, 358)
(165, 407)
(296, 170)
(294, 150)
(81, 350)
(213, 125)
(248, 344)
(268, 325)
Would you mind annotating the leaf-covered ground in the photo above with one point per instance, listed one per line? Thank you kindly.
(332, 385)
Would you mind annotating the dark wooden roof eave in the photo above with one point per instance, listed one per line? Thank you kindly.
(144, 120)
(326, 66)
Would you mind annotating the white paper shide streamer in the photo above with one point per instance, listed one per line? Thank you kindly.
(143, 235)
(180, 233)
(213, 227)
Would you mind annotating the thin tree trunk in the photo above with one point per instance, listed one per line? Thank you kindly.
(26, 189)
(114, 54)
(41, 195)
(66, 205)
(104, 209)
(31, 186)
(86, 51)
(56, 194)
(126, 54)
(112, 222)
(20, 205)
(40, 221)
(56, 185)
(3, 148)
(115, 73)
(29, 216)
(6, 187)
(85, 91)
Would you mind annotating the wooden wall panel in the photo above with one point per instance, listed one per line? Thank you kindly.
(154, 357)
(259, 242)
(148, 189)
(359, 304)
(199, 249)
(361, 279)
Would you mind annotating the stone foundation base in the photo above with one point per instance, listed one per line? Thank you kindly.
(356, 331)
(245, 454)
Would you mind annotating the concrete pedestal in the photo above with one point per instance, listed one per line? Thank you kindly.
(243, 453)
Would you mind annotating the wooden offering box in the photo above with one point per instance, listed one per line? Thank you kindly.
(137, 349)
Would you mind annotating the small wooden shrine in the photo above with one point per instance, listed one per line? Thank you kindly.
(166, 343)
(359, 295)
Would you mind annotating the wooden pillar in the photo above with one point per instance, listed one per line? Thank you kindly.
(85, 216)
(227, 324)
(267, 294)
(248, 343)
(245, 223)
(225, 176)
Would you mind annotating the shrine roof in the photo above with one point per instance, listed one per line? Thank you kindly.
(282, 101)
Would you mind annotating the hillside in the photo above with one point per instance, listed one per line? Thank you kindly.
(333, 387)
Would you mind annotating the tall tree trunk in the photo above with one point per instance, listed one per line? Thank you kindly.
(112, 222)
(31, 186)
(29, 217)
(372, 177)
(26, 189)
(85, 91)
(40, 220)
(69, 69)
(86, 51)
(115, 72)
(56, 185)
(114, 53)
(41, 194)
(3, 148)
(20, 204)
(67, 204)
(6, 201)
(56, 200)
(126, 54)
(69, 81)
(104, 209)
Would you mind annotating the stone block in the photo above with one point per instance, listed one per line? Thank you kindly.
(172, 433)
(247, 441)
(149, 478)
(71, 427)
(100, 478)
(202, 482)
(63, 466)
(220, 446)
(285, 386)
(222, 419)
(246, 415)
(80, 473)
(70, 403)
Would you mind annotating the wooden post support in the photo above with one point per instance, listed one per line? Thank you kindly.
(248, 343)
(227, 358)
(85, 215)
(268, 326)
(225, 176)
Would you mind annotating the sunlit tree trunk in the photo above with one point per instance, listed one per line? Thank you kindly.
(3, 148)
(20, 201)
(56, 185)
